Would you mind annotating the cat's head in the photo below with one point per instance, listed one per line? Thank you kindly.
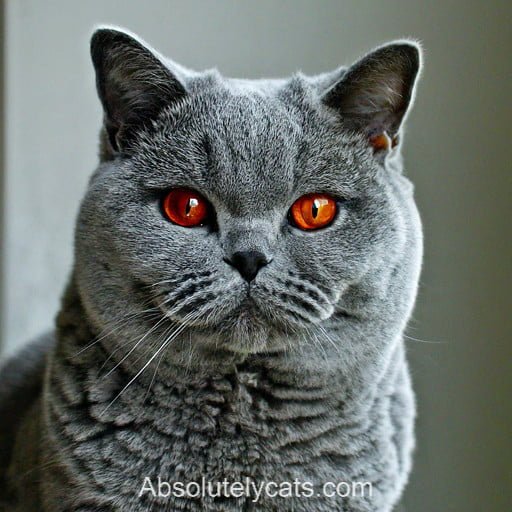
(249, 213)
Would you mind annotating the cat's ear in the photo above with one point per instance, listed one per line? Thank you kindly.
(374, 95)
(133, 84)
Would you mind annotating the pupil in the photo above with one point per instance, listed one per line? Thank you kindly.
(314, 209)
(190, 204)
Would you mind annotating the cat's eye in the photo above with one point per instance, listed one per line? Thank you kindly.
(185, 207)
(313, 211)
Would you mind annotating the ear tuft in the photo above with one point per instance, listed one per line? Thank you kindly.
(133, 84)
(375, 93)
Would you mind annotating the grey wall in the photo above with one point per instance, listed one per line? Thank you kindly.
(457, 152)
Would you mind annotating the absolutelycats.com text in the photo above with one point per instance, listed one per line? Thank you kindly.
(255, 491)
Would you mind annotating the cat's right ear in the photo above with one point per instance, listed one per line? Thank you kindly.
(374, 95)
(133, 84)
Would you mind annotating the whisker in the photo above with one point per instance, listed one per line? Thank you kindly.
(122, 345)
(424, 341)
(165, 334)
(134, 347)
(162, 319)
(151, 359)
(113, 327)
(118, 324)
(317, 342)
(329, 339)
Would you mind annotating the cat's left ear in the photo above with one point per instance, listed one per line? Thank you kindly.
(133, 83)
(374, 95)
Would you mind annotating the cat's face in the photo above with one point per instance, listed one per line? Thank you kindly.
(246, 274)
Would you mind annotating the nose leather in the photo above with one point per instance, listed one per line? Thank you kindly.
(248, 263)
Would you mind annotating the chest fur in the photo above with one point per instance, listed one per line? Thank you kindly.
(244, 425)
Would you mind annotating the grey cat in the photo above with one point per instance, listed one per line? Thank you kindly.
(246, 259)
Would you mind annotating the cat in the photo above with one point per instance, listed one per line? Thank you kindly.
(247, 256)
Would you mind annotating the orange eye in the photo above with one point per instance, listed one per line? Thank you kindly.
(185, 207)
(313, 211)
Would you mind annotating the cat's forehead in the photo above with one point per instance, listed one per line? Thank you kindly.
(253, 145)
(246, 143)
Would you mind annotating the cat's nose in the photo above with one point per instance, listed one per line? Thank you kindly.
(248, 263)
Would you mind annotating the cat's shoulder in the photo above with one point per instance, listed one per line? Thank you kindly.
(24, 367)
(21, 381)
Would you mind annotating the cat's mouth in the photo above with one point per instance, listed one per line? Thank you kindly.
(243, 317)
(242, 327)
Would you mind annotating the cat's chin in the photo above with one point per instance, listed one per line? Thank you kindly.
(246, 331)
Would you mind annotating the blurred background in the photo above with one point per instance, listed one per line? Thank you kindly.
(457, 152)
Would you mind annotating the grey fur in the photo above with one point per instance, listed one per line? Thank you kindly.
(162, 365)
